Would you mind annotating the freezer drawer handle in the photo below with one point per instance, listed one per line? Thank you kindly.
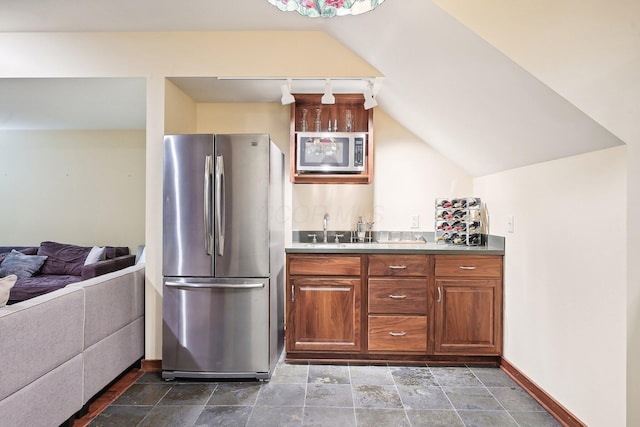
(214, 285)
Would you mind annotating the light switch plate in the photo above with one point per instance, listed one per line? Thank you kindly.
(415, 221)
(510, 224)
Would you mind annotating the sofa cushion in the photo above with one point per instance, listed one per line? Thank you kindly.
(63, 258)
(21, 265)
(97, 253)
(6, 283)
(41, 284)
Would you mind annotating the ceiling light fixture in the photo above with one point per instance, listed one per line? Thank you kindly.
(369, 100)
(328, 97)
(287, 97)
(326, 8)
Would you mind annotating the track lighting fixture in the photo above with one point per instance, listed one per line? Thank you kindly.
(369, 100)
(328, 97)
(287, 97)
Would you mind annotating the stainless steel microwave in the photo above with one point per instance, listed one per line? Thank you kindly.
(331, 152)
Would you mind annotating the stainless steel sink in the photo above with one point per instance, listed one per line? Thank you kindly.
(326, 245)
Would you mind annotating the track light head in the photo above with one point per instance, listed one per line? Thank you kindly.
(287, 97)
(369, 100)
(328, 97)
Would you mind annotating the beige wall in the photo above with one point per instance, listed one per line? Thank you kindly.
(565, 280)
(409, 176)
(79, 187)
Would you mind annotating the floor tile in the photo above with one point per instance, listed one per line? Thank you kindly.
(329, 395)
(515, 399)
(412, 375)
(455, 376)
(415, 397)
(367, 417)
(272, 394)
(275, 416)
(143, 394)
(151, 377)
(235, 393)
(231, 416)
(172, 416)
(487, 419)
(434, 418)
(188, 394)
(535, 419)
(493, 377)
(288, 373)
(329, 417)
(380, 375)
(329, 374)
(472, 398)
(376, 396)
(121, 416)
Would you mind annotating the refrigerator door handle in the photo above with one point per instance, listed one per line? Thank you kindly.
(220, 201)
(207, 205)
(214, 285)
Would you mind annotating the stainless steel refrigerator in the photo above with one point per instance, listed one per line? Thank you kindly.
(223, 256)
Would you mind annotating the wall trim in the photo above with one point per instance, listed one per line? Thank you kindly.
(151, 365)
(558, 411)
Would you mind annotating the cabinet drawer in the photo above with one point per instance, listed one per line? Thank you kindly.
(468, 266)
(398, 333)
(320, 265)
(398, 296)
(398, 265)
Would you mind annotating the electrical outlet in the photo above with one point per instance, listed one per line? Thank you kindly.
(510, 223)
(415, 221)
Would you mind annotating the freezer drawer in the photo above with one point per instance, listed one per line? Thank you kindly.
(214, 328)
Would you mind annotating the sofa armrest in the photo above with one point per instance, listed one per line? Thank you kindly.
(107, 266)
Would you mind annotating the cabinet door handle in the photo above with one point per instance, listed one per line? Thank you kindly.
(398, 334)
(398, 267)
(293, 294)
(439, 295)
(397, 296)
(463, 267)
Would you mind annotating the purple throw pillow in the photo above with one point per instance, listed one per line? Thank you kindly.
(63, 258)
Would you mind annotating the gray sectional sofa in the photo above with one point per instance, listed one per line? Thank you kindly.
(60, 349)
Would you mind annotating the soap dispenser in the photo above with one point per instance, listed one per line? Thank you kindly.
(361, 229)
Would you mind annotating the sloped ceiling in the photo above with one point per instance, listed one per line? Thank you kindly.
(443, 82)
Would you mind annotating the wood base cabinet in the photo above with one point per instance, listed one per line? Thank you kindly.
(400, 308)
(323, 304)
(468, 308)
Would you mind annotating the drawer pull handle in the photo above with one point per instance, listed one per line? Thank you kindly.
(462, 267)
(397, 296)
(398, 334)
(398, 267)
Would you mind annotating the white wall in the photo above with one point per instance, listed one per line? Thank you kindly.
(79, 187)
(565, 278)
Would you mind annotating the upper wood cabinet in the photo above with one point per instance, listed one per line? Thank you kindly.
(332, 118)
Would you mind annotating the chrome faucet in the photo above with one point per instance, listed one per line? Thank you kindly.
(325, 227)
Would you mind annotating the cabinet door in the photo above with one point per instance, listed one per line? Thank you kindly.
(468, 316)
(324, 315)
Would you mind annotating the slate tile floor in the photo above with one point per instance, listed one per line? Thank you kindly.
(332, 395)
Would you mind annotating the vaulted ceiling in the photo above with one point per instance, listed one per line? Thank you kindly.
(492, 85)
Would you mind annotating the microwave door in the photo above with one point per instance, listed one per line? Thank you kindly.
(319, 153)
